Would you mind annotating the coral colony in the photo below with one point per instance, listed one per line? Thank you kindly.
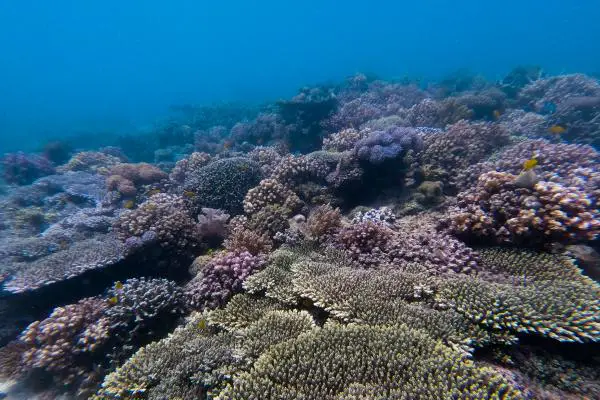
(370, 240)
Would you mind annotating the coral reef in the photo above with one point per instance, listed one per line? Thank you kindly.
(366, 240)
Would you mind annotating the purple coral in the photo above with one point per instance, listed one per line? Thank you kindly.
(21, 168)
(498, 210)
(380, 146)
(221, 278)
(365, 242)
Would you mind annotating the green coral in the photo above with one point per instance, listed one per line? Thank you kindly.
(187, 364)
(326, 363)
(565, 311)
(313, 325)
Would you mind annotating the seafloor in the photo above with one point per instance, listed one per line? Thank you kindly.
(366, 240)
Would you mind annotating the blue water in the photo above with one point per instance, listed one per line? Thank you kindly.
(87, 66)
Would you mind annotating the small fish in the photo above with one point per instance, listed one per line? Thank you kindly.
(118, 285)
(202, 324)
(129, 204)
(557, 129)
(153, 192)
(497, 114)
(113, 300)
(189, 194)
(530, 164)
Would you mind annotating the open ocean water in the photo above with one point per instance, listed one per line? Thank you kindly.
(299, 200)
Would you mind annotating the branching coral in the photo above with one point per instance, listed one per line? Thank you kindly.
(221, 277)
(557, 89)
(461, 145)
(365, 242)
(499, 210)
(293, 170)
(165, 218)
(187, 165)
(389, 360)
(270, 191)
(343, 140)
(55, 342)
(187, 364)
(144, 304)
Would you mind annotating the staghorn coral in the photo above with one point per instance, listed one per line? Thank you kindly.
(221, 277)
(241, 311)
(187, 364)
(274, 326)
(274, 280)
(564, 311)
(387, 359)
(222, 184)
(529, 266)
(497, 210)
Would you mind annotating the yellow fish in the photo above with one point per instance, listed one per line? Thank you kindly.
(557, 129)
(129, 204)
(113, 300)
(189, 194)
(118, 285)
(497, 114)
(530, 164)
(202, 324)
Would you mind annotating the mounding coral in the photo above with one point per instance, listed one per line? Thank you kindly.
(222, 184)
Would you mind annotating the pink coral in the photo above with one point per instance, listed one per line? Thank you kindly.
(222, 277)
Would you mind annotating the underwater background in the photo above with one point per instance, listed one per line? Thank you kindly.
(323, 200)
(71, 67)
